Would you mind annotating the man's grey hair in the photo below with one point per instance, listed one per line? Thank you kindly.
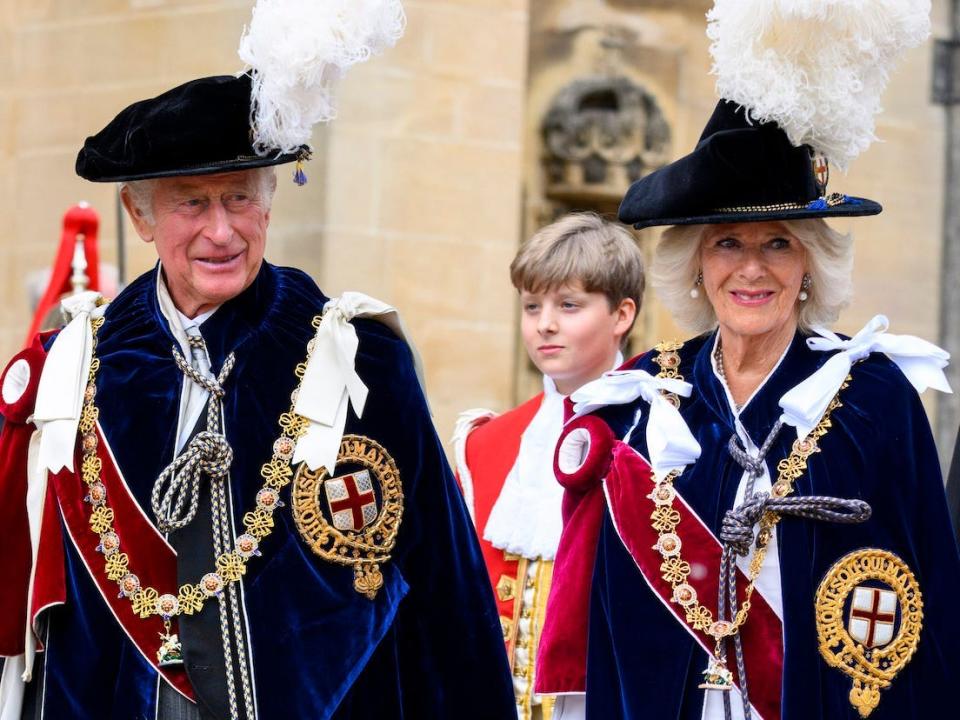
(676, 263)
(141, 191)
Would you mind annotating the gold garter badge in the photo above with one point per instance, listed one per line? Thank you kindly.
(869, 614)
(353, 518)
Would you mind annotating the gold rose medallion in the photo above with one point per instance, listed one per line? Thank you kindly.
(869, 615)
(352, 519)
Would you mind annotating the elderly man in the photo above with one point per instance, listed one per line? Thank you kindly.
(236, 503)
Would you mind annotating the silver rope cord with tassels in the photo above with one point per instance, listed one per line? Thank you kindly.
(208, 453)
(737, 534)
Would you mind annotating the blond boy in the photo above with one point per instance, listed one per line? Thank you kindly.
(580, 282)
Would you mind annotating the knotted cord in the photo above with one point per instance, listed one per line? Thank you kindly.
(207, 453)
(737, 534)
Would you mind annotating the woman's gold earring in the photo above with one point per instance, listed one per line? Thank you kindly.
(695, 290)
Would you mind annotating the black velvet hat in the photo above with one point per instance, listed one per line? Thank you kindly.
(198, 128)
(740, 171)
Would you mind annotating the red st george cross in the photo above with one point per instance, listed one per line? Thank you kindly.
(822, 170)
(873, 615)
(355, 501)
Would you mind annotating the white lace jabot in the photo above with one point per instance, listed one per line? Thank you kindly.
(526, 518)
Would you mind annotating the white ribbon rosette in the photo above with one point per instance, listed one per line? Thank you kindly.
(669, 441)
(920, 361)
(331, 381)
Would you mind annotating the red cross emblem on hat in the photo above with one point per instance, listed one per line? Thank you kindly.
(352, 502)
(821, 171)
(873, 613)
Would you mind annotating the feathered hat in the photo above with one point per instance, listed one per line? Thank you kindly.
(800, 82)
(295, 52)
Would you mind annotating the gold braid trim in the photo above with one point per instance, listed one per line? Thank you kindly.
(831, 200)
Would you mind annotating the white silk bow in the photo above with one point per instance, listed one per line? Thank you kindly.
(669, 441)
(63, 381)
(331, 381)
(920, 361)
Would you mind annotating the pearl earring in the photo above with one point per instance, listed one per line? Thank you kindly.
(804, 286)
(695, 290)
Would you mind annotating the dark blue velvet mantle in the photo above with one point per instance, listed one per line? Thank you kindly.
(428, 646)
(642, 664)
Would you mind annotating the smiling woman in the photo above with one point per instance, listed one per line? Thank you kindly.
(828, 261)
(210, 231)
(730, 541)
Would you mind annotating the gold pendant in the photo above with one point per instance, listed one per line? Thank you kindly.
(170, 651)
(717, 676)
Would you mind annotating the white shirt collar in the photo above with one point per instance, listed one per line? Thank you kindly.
(176, 320)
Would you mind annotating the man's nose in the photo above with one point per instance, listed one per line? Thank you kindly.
(218, 228)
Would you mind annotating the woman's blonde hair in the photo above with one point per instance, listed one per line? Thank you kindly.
(676, 264)
(603, 256)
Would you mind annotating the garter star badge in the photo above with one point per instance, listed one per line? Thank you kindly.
(869, 613)
(352, 519)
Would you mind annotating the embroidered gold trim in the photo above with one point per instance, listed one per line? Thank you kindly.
(534, 613)
(872, 669)
(664, 519)
(517, 603)
(362, 549)
(231, 565)
(506, 588)
(831, 200)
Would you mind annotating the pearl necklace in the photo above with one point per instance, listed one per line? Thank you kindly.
(718, 363)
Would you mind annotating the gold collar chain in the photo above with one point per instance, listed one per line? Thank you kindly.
(664, 519)
(230, 565)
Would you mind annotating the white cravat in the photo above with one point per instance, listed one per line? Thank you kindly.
(197, 395)
(193, 397)
(768, 582)
(526, 518)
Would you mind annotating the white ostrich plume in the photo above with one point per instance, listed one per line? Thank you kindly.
(298, 50)
(817, 68)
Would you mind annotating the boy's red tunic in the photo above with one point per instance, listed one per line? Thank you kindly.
(490, 451)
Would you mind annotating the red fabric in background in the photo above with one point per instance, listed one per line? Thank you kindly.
(78, 221)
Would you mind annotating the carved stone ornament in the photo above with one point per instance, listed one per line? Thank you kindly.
(600, 135)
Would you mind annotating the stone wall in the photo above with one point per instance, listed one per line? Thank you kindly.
(423, 188)
(413, 193)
